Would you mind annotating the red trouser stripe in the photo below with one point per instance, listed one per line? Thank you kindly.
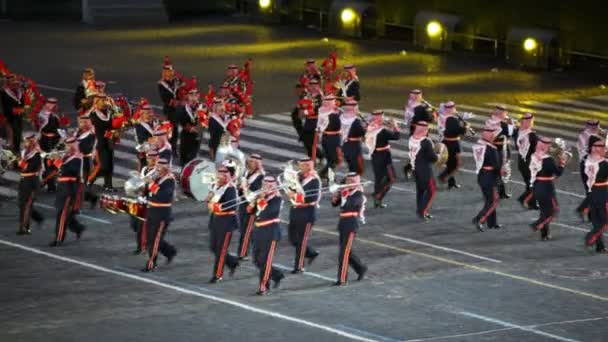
(344, 270)
(26, 212)
(243, 250)
(268, 266)
(433, 190)
(154, 253)
(64, 213)
(303, 246)
(144, 235)
(220, 265)
(493, 207)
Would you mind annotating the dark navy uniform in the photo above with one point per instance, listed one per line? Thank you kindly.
(158, 216)
(13, 108)
(351, 147)
(543, 172)
(504, 153)
(168, 94)
(222, 223)
(331, 143)
(302, 216)
(143, 132)
(453, 132)
(265, 237)
(166, 152)
(352, 89)
(68, 197)
(488, 164)
(382, 162)
(310, 127)
(104, 158)
(87, 143)
(525, 142)
(422, 113)
(138, 226)
(30, 164)
(422, 153)
(49, 138)
(246, 218)
(190, 139)
(598, 204)
(217, 128)
(350, 209)
(585, 143)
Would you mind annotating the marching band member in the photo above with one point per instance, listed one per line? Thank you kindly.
(525, 140)
(267, 233)
(422, 153)
(311, 72)
(350, 83)
(352, 203)
(302, 214)
(377, 140)
(250, 183)
(49, 138)
(592, 129)
(138, 226)
(87, 143)
(543, 171)
(217, 126)
(489, 165)
(167, 89)
(504, 130)
(329, 125)
(161, 194)
(30, 164)
(454, 128)
(70, 173)
(85, 90)
(162, 145)
(309, 130)
(13, 107)
(353, 132)
(105, 122)
(414, 100)
(296, 117)
(596, 169)
(417, 110)
(222, 222)
(144, 131)
(188, 118)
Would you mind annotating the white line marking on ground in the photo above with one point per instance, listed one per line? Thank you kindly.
(447, 249)
(84, 216)
(365, 333)
(180, 289)
(312, 274)
(569, 227)
(515, 326)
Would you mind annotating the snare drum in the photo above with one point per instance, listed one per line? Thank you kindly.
(120, 204)
(191, 178)
(136, 209)
(106, 202)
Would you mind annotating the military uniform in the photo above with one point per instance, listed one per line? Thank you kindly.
(247, 218)
(352, 135)
(302, 217)
(454, 129)
(144, 130)
(585, 139)
(266, 235)
(217, 128)
(190, 139)
(501, 141)
(525, 142)
(351, 204)
(543, 171)
(422, 153)
(158, 216)
(309, 129)
(67, 200)
(597, 180)
(222, 223)
(331, 141)
(104, 158)
(138, 226)
(488, 164)
(167, 90)
(29, 185)
(13, 108)
(87, 143)
(382, 161)
(49, 138)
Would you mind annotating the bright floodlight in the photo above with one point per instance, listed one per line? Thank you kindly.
(264, 4)
(348, 15)
(434, 29)
(530, 44)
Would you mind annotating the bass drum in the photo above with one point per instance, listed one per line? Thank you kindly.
(197, 177)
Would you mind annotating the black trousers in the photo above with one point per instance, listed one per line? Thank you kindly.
(583, 208)
(527, 197)
(189, 145)
(298, 232)
(347, 256)
(66, 215)
(452, 164)
(245, 227)
(384, 173)
(333, 152)
(219, 241)
(141, 236)
(104, 162)
(549, 208)
(49, 174)
(489, 190)
(296, 121)
(156, 226)
(598, 213)
(263, 253)
(353, 157)
(425, 192)
(87, 166)
(171, 116)
(16, 125)
(502, 190)
(28, 189)
(308, 140)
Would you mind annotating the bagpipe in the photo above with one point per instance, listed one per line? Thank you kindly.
(329, 75)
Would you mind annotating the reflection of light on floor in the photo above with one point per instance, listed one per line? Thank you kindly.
(174, 32)
(468, 78)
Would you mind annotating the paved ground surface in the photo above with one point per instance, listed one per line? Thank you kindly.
(436, 281)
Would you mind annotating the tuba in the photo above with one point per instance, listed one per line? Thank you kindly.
(290, 178)
(442, 154)
(560, 151)
(7, 159)
(227, 151)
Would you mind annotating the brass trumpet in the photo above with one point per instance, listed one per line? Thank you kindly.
(560, 151)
